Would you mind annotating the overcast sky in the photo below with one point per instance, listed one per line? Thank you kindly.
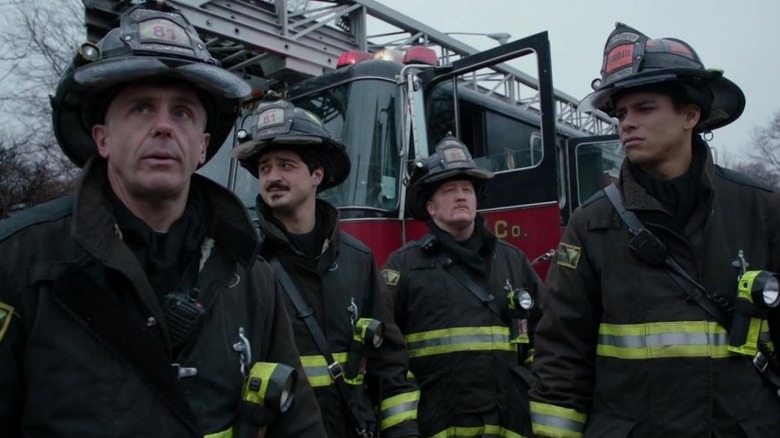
(741, 37)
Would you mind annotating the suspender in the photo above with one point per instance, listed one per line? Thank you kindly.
(335, 369)
(713, 305)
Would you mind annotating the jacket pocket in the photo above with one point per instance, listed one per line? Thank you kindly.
(608, 426)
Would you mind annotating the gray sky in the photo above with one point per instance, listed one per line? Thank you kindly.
(738, 36)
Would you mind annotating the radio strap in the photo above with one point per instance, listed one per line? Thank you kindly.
(336, 369)
(465, 279)
(695, 291)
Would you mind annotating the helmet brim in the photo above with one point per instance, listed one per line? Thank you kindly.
(331, 154)
(225, 89)
(415, 196)
(728, 99)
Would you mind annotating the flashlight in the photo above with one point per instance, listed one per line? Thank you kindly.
(369, 331)
(757, 293)
(87, 52)
(271, 385)
(520, 299)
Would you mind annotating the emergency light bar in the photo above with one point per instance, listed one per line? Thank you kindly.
(413, 55)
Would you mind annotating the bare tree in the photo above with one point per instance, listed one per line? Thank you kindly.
(36, 46)
(765, 145)
(759, 171)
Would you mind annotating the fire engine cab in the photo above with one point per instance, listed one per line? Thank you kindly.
(391, 102)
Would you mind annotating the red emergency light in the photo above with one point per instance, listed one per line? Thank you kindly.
(352, 57)
(413, 55)
(420, 55)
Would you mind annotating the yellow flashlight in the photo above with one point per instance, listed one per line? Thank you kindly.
(369, 331)
(271, 385)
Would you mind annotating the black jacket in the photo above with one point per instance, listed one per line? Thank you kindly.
(86, 350)
(344, 274)
(621, 351)
(470, 375)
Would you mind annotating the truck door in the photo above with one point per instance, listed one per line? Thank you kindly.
(592, 163)
(507, 119)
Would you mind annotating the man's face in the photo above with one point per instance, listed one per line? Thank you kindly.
(653, 132)
(453, 205)
(285, 181)
(153, 140)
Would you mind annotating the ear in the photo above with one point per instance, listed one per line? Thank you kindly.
(100, 136)
(429, 208)
(317, 176)
(692, 116)
(204, 147)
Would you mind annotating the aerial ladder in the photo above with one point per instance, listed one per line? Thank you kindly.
(274, 44)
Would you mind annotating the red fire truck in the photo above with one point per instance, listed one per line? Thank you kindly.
(392, 110)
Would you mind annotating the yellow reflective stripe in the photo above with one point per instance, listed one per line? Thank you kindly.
(457, 339)
(486, 431)
(551, 420)
(655, 340)
(399, 408)
(224, 434)
(316, 368)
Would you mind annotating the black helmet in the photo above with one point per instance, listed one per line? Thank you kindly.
(451, 159)
(632, 60)
(153, 40)
(278, 124)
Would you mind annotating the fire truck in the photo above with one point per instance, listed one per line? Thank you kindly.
(392, 96)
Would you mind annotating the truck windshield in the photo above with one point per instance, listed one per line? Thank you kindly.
(365, 114)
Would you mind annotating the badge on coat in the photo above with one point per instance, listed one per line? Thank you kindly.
(6, 312)
(390, 276)
(569, 255)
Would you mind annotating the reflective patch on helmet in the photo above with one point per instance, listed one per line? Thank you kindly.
(162, 30)
(619, 56)
(569, 255)
(270, 117)
(454, 155)
(390, 276)
(6, 312)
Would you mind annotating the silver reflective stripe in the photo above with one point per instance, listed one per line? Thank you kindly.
(665, 339)
(459, 339)
(558, 423)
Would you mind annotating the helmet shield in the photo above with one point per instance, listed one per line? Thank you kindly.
(451, 160)
(278, 125)
(153, 40)
(631, 60)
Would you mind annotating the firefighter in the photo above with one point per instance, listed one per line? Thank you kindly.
(467, 304)
(643, 333)
(352, 351)
(137, 306)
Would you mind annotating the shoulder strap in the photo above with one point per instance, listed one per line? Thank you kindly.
(465, 279)
(305, 312)
(644, 240)
(82, 296)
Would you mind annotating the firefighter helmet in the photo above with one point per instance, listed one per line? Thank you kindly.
(633, 61)
(451, 160)
(153, 39)
(278, 124)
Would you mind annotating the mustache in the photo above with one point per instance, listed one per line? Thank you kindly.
(276, 185)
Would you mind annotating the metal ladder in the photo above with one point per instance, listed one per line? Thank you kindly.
(273, 46)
